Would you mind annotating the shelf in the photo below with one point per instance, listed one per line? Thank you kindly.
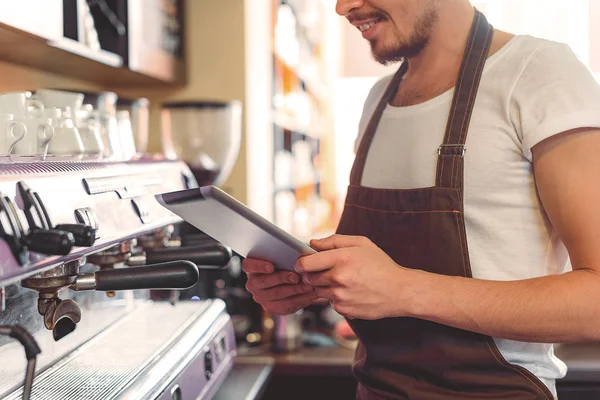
(77, 48)
(69, 58)
(312, 84)
(288, 123)
(294, 188)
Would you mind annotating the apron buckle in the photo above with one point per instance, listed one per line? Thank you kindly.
(463, 149)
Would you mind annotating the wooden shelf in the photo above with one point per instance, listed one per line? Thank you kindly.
(301, 103)
(70, 58)
(286, 122)
(79, 49)
(299, 186)
(313, 85)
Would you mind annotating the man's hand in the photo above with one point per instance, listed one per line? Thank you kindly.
(278, 292)
(358, 278)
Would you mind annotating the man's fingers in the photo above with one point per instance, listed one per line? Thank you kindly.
(320, 279)
(318, 262)
(266, 281)
(253, 266)
(291, 305)
(325, 293)
(339, 242)
(281, 292)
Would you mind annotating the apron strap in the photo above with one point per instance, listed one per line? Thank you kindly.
(365, 143)
(451, 153)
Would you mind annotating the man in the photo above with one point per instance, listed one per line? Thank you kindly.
(476, 177)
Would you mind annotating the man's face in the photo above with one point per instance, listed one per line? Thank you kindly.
(396, 29)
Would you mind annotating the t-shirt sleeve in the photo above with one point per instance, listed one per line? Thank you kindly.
(555, 93)
(369, 107)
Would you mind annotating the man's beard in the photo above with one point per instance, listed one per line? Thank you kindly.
(415, 44)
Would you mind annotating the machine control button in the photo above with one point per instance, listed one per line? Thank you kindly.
(11, 230)
(87, 217)
(141, 210)
(189, 181)
(208, 365)
(82, 217)
(176, 393)
(220, 349)
(93, 219)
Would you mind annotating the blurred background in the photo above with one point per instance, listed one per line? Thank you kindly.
(259, 97)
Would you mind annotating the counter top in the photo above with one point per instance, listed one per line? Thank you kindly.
(247, 380)
(583, 361)
(329, 360)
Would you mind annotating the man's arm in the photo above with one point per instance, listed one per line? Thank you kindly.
(559, 308)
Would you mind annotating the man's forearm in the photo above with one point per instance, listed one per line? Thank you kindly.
(553, 309)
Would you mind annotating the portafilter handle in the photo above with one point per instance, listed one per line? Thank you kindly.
(210, 256)
(165, 276)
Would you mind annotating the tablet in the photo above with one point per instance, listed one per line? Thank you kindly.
(230, 222)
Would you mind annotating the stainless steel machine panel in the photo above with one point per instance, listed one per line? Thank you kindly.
(142, 355)
(119, 199)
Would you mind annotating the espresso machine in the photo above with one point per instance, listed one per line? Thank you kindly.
(83, 247)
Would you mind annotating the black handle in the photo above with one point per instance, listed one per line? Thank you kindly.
(197, 240)
(33, 203)
(53, 242)
(211, 256)
(165, 276)
(84, 235)
(13, 233)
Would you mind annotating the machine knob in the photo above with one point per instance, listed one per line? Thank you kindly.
(52, 242)
(84, 235)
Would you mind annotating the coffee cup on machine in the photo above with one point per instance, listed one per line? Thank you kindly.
(11, 132)
(20, 105)
(35, 143)
(66, 140)
(62, 99)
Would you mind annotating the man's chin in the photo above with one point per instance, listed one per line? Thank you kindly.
(387, 58)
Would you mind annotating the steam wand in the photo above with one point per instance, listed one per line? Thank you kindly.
(31, 351)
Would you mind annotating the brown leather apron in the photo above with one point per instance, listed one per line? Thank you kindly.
(408, 358)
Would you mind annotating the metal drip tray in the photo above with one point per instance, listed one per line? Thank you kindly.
(158, 348)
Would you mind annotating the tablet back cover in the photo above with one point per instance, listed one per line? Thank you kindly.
(233, 224)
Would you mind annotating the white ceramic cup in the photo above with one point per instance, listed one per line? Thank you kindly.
(60, 98)
(89, 131)
(39, 134)
(20, 105)
(66, 140)
(11, 132)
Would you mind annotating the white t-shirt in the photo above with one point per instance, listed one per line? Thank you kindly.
(531, 89)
